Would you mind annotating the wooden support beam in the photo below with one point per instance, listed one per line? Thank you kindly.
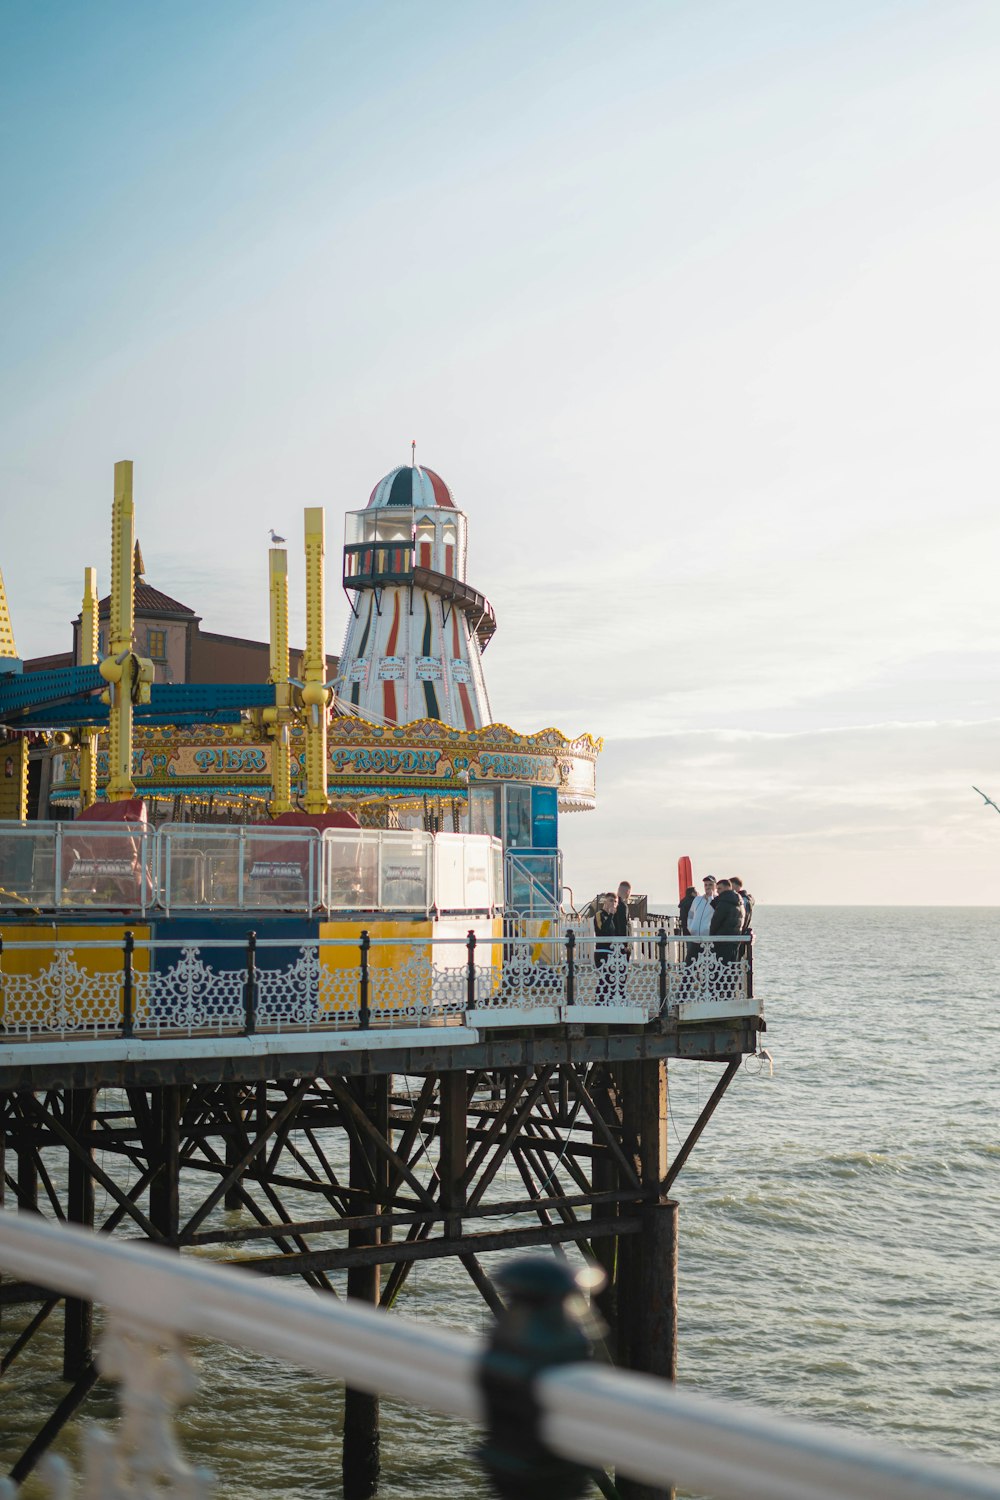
(164, 1148)
(250, 1155)
(348, 1104)
(58, 1129)
(369, 1160)
(437, 1249)
(493, 1166)
(452, 1161)
(27, 1165)
(714, 1099)
(78, 1324)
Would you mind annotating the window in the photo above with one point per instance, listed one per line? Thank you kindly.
(156, 645)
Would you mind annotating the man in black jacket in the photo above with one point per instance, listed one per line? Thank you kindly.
(746, 898)
(621, 910)
(727, 921)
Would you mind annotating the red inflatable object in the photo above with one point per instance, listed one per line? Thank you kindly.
(684, 879)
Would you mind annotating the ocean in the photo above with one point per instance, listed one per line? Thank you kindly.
(838, 1228)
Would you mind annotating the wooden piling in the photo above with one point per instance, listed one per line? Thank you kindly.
(166, 1105)
(647, 1293)
(361, 1456)
(78, 1327)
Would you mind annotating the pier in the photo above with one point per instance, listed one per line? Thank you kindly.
(394, 1119)
(297, 981)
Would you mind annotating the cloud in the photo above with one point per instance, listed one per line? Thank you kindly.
(881, 813)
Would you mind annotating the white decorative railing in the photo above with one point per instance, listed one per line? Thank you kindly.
(157, 987)
(644, 1428)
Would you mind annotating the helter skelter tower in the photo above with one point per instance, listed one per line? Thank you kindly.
(414, 642)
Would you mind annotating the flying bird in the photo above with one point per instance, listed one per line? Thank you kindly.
(275, 538)
(988, 800)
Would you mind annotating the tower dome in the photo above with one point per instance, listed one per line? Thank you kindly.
(411, 487)
(417, 629)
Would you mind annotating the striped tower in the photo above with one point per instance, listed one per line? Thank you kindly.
(417, 629)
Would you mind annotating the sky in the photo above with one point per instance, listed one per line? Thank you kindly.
(694, 306)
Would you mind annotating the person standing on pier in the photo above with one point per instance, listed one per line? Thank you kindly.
(727, 921)
(621, 908)
(699, 917)
(604, 931)
(746, 898)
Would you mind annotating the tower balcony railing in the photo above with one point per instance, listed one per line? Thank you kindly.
(575, 1413)
(373, 563)
(151, 986)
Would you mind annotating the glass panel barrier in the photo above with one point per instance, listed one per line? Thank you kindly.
(28, 860)
(404, 870)
(350, 870)
(256, 868)
(449, 873)
(105, 865)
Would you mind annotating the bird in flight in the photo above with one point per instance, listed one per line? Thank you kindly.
(275, 538)
(988, 800)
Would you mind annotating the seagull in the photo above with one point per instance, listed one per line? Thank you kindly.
(275, 538)
(988, 800)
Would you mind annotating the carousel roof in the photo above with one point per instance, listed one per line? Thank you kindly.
(412, 487)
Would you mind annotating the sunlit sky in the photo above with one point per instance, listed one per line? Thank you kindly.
(693, 304)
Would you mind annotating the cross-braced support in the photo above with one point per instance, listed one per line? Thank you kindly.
(566, 1153)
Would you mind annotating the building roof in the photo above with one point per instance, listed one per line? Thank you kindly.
(149, 601)
(412, 487)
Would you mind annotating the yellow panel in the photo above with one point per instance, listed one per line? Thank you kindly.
(65, 985)
(400, 971)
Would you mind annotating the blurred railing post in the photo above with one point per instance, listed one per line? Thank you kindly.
(470, 971)
(250, 987)
(364, 1016)
(661, 950)
(57, 863)
(128, 989)
(571, 967)
(540, 1328)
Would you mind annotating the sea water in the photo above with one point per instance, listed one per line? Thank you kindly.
(838, 1229)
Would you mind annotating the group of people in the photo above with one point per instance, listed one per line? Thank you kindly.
(611, 920)
(725, 909)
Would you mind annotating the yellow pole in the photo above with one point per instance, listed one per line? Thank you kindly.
(13, 753)
(117, 666)
(88, 656)
(14, 780)
(315, 693)
(281, 768)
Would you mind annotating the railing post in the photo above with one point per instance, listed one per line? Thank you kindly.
(661, 950)
(537, 1330)
(571, 967)
(748, 950)
(57, 863)
(250, 988)
(128, 999)
(365, 1015)
(470, 971)
(241, 870)
(3, 991)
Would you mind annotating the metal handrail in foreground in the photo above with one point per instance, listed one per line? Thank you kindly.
(643, 1427)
